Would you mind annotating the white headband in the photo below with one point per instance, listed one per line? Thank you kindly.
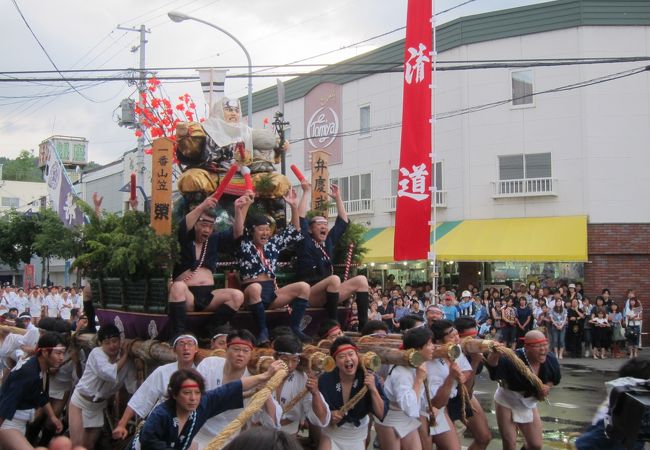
(185, 336)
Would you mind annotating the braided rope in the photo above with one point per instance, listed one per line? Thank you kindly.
(294, 401)
(255, 405)
(523, 369)
(464, 401)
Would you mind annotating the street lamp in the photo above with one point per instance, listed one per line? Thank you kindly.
(179, 17)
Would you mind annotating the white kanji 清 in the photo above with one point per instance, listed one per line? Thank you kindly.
(413, 183)
(416, 64)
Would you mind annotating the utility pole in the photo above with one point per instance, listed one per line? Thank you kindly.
(142, 88)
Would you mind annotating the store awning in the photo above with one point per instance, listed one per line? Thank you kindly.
(531, 239)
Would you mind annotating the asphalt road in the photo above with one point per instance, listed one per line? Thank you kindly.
(572, 403)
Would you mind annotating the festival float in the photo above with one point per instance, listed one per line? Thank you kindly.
(129, 258)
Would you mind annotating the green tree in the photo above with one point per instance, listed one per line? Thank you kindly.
(23, 168)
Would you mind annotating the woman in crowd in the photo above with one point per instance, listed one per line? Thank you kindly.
(523, 320)
(373, 313)
(544, 322)
(618, 331)
(509, 316)
(497, 316)
(589, 311)
(600, 330)
(633, 327)
(575, 325)
(558, 329)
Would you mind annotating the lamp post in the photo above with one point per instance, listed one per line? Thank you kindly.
(179, 17)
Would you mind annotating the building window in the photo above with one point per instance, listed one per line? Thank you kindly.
(394, 178)
(355, 187)
(522, 87)
(519, 167)
(10, 202)
(364, 120)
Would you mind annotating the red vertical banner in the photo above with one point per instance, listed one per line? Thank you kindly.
(413, 213)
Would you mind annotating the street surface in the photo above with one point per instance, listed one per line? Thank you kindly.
(572, 403)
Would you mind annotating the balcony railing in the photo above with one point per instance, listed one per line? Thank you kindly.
(527, 187)
(363, 206)
(390, 203)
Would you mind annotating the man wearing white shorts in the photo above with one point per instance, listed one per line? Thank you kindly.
(25, 389)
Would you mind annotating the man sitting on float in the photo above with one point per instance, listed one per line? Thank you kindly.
(258, 254)
(206, 152)
(193, 286)
(315, 255)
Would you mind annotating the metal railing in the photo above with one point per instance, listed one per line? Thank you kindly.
(362, 206)
(390, 203)
(525, 187)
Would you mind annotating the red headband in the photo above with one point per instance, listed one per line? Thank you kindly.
(345, 347)
(333, 330)
(189, 386)
(238, 341)
(536, 341)
(469, 332)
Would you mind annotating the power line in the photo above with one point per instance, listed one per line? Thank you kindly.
(477, 108)
(45, 51)
(454, 65)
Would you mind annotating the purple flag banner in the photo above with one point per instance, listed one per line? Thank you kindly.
(60, 190)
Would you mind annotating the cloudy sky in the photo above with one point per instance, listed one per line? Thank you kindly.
(82, 34)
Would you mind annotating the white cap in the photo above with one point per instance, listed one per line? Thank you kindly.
(466, 294)
(572, 285)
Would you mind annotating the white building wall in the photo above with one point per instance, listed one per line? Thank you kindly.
(599, 136)
(28, 194)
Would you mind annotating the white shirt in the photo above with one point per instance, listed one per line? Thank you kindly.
(101, 379)
(438, 370)
(292, 386)
(11, 346)
(65, 307)
(21, 302)
(399, 390)
(212, 370)
(52, 303)
(35, 305)
(152, 391)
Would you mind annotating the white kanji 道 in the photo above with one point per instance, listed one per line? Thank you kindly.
(415, 64)
(413, 185)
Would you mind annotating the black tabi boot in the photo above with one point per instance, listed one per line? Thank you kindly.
(177, 318)
(362, 307)
(298, 308)
(259, 314)
(222, 315)
(332, 304)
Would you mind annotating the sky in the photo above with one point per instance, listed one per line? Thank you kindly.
(82, 34)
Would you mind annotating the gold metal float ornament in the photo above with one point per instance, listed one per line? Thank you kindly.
(471, 345)
(451, 351)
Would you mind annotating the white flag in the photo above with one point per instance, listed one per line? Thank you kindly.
(212, 84)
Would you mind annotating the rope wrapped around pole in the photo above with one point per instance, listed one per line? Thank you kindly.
(255, 405)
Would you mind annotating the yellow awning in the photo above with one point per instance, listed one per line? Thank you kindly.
(552, 239)
(380, 246)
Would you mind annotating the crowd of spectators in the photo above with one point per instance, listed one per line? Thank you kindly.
(574, 323)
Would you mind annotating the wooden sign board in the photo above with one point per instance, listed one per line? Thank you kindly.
(320, 181)
(162, 160)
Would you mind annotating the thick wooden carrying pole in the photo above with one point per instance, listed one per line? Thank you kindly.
(386, 354)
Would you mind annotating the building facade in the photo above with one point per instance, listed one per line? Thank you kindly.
(541, 136)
